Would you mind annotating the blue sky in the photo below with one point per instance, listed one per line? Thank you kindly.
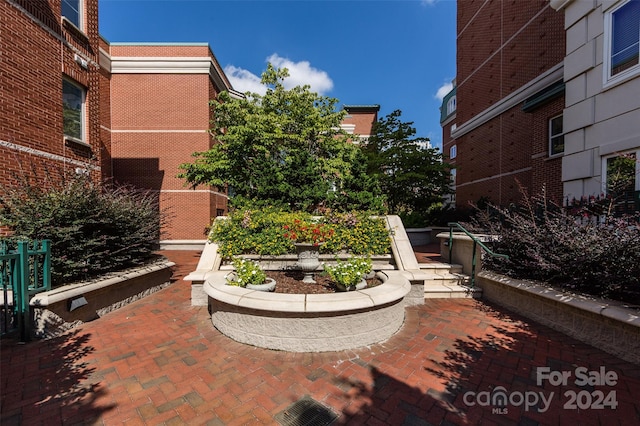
(398, 54)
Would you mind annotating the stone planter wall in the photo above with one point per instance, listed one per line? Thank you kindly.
(608, 325)
(52, 309)
(308, 322)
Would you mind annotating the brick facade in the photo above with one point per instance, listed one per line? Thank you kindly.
(507, 53)
(146, 109)
(360, 119)
(159, 118)
(39, 48)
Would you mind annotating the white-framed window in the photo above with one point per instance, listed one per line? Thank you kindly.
(622, 41)
(453, 177)
(453, 152)
(72, 11)
(621, 179)
(73, 110)
(451, 105)
(556, 136)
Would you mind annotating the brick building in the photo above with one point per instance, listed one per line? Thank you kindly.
(133, 113)
(502, 123)
(359, 119)
(49, 70)
(159, 116)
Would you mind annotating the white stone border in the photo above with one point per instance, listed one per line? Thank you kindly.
(308, 322)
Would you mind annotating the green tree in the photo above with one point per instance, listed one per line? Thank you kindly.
(286, 148)
(412, 176)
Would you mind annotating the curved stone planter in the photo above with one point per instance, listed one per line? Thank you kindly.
(308, 322)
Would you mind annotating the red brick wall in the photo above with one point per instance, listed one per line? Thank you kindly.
(503, 45)
(158, 121)
(38, 48)
(546, 172)
(362, 120)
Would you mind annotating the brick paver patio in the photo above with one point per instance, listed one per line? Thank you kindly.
(160, 361)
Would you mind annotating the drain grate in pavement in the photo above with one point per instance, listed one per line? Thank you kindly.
(306, 412)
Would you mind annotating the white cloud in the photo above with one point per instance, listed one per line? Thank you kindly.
(243, 80)
(443, 90)
(300, 73)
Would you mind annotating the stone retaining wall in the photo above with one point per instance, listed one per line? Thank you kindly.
(607, 325)
(52, 309)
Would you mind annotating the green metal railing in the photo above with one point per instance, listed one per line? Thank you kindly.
(24, 271)
(476, 243)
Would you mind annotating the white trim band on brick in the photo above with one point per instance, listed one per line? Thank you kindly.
(159, 131)
(48, 155)
(551, 76)
(515, 172)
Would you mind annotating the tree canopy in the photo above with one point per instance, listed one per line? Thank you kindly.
(412, 175)
(285, 147)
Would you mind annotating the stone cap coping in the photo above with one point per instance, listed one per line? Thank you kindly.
(617, 311)
(70, 291)
(394, 288)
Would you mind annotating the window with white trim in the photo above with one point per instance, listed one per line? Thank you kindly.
(453, 152)
(72, 11)
(622, 41)
(73, 110)
(451, 105)
(556, 136)
(621, 180)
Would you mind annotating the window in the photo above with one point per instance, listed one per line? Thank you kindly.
(453, 152)
(556, 136)
(622, 181)
(451, 105)
(73, 97)
(453, 177)
(72, 11)
(622, 41)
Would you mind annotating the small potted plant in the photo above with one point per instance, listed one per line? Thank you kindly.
(349, 275)
(250, 275)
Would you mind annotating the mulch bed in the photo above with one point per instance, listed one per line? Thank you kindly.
(290, 282)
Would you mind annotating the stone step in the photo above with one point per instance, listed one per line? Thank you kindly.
(450, 291)
(438, 267)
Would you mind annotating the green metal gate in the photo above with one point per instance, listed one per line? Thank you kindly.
(25, 269)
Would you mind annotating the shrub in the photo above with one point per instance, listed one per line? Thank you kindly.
(93, 229)
(263, 232)
(544, 242)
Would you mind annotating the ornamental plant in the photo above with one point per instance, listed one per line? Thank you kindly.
(261, 232)
(350, 272)
(308, 232)
(247, 272)
(94, 228)
(558, 246)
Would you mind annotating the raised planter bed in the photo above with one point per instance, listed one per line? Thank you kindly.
(609, 325)
(62, 308)
(308, 322)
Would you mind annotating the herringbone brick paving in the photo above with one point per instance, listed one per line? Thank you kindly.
(160, 361)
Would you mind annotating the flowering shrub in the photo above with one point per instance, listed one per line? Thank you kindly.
(350, 272)
(263, 232)
(247, 272)
(308, 232)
